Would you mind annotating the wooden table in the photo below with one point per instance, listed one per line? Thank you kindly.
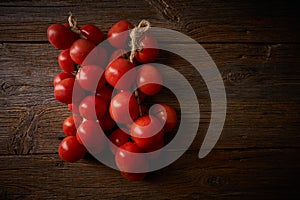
(255, 45)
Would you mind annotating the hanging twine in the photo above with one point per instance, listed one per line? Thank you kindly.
(136, 35)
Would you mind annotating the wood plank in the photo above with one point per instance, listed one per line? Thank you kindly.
(252, 174)
(256, 46)
(31, 118)
(235, 21)
(30, 23)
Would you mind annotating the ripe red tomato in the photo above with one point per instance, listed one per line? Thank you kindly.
(133, 176)
(118, 138)
(70, 150)
(148, 50)
(130, 159)
(63, 90)
(60, 36)
(92, 33)
(166, 114)
(61, 76)
(115, 36)
(147, 133)
(65, 62)
(116, 69)
(80, 49)
(91, 77)
(107, 123)
(92, 107)
(123, 108)
(68, 126)
(105, 93)
(149, 80)
(91, 135)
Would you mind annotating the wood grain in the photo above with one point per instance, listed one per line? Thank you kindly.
(234, 21)
(248, 173)
(256, 47)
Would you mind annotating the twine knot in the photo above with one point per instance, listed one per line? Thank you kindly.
(73, 25)
(137, 35)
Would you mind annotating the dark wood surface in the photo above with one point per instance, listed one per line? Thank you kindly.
(256, 46)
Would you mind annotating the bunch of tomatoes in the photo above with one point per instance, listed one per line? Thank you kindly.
(105, 111)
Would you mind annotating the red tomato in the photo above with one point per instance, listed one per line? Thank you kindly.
(65, 62)
(60, 36)
(149, 80)
(116, 69)
(105, 93)
(148, 50)
(70, 124)
(61, 76)
(115, 36)
(80, 49)
(91, 77)
(91, 135)
(147, 133)
(63, 90)
(70, 150)
(92, 107)
(166, 114)
(69, 127)
(107, 123)
(133, 176)
(118, 138)
(92, 33)
(123, 108)
(129, 158)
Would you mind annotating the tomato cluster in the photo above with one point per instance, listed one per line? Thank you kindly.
(97, 112)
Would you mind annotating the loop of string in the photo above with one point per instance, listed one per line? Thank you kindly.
(136, 35)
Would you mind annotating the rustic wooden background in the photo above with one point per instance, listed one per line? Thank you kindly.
(256, 46)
